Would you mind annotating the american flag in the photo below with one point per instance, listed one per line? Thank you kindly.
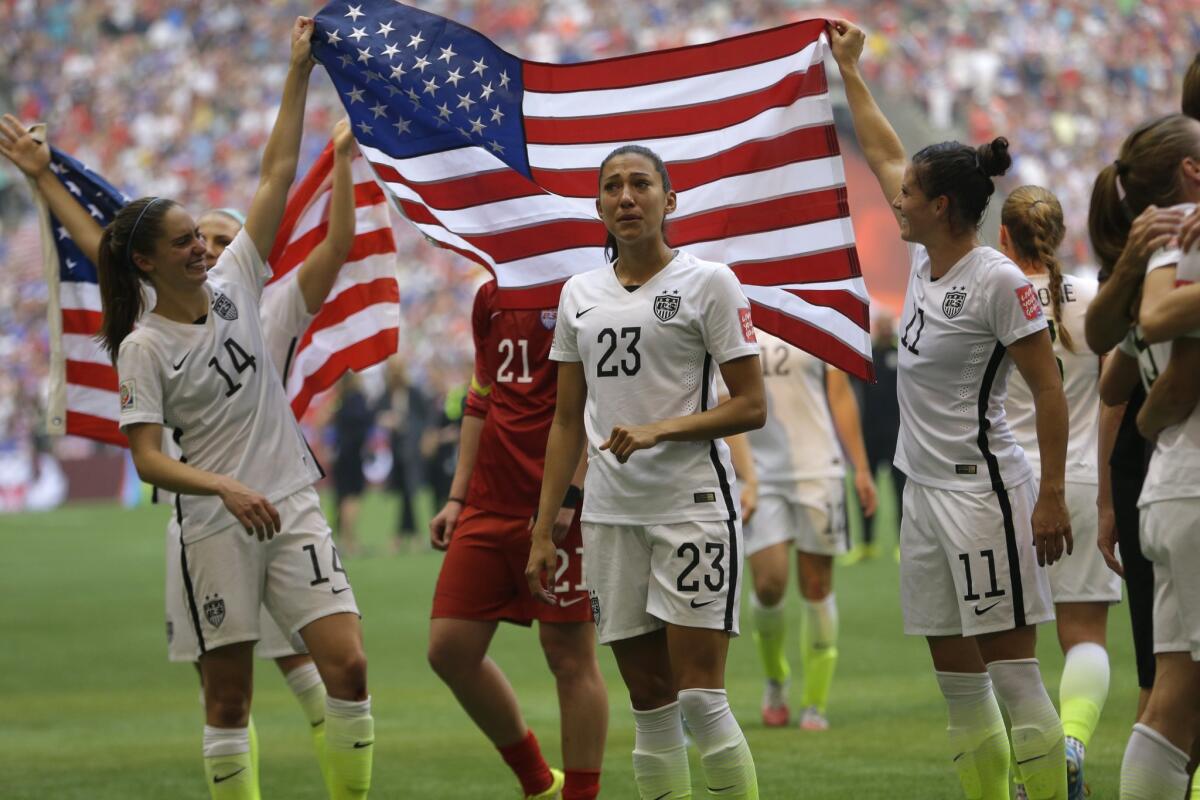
(497, 158)
(358, 325)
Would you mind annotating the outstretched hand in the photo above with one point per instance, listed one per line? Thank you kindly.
(302, 31)
(846, 40)
(18, 146)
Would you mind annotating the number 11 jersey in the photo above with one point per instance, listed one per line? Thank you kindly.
(953, 371)
(215, 385)
(648, 355)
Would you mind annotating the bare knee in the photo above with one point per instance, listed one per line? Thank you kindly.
(649, 691)
(769, 589)
(345, 675)
(570, 654)
(815, 574)
(227, 706)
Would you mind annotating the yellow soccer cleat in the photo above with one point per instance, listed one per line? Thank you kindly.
(554, 792)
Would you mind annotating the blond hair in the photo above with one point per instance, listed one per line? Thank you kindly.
(1034, 220)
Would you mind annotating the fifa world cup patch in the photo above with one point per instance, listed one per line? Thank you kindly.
(128, 398)
(747, 326)
(1031, 307)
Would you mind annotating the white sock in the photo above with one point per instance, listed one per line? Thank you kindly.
(225, 741)
(822, 618)
(1083, 690)
(724, 753)
(1153, 768)
(660, 761)
(305, 683)
(976, 731)
(1038, 743)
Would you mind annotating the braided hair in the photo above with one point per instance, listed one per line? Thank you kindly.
(1034, 220)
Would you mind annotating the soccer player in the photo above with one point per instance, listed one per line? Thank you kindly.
(484, 529)
(1159, 165)
(792, 473)
(977, 523)
(284, 315)
(197, 363)
(636, 342)
(1031, 229)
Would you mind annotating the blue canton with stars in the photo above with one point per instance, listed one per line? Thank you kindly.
(101, 199)
(415, 83)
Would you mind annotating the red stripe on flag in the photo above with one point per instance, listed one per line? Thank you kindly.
(98, 428)
(803, 144)
(349, 302)
(81, 321)
(766, 215)
(357, 356)
(366, 195)
(95, 376)
(831, 265)
(844, 302)
(680, 121)
(363, 245)
(673, 64)
(307, 189)
(820, 343)
(465, 192)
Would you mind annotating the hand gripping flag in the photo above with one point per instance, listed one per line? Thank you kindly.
(358, 325)
(497, 158)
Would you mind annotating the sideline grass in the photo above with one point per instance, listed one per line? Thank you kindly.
(90, 708)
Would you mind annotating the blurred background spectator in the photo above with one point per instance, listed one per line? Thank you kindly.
(178, 98)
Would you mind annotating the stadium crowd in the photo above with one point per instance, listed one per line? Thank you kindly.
(154, 93)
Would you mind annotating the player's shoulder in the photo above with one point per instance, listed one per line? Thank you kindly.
(995, 268)
(144, 343)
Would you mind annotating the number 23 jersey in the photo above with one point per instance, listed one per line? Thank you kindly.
(650, 355)
(954, 367)
(215, 385)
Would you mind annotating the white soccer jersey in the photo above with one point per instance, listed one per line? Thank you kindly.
(1174, 471)
(648, 355)
(1081, 378)
(953, 371)
(799, 442)
(212, 384)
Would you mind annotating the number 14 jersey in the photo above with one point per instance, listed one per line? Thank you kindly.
(650, 355)
(953, 371)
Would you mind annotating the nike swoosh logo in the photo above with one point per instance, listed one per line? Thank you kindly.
(222, 778)
(180, 364)
(567, 603)
(339, 591)
(702, 605)
(319, 723)
(979, 612)
(663, 796)
(361, 745)
(1035, 758)
(579, 314)
(722, 789)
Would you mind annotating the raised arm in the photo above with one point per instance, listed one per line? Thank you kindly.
(843, 406)
(876, 136)
(319, 271)
(282, 153)
(32, 157)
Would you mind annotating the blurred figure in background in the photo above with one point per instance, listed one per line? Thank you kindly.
(439, 441)
(880, 423)
(405, 411)
(352, 422)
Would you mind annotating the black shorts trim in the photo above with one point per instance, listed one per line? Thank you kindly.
(993, 466)
(727, 496)
(193, 609)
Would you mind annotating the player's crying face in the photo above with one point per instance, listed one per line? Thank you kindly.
(632, 202)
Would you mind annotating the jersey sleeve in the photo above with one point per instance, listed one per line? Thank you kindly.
(479, 395)
(1015, 310)
(140, 385)
(285, 318)
(1187, 272)
(240, 263)
(727, 326)
(1128, 345)
(566, 344)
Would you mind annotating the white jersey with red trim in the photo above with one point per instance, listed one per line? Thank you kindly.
(953, 371)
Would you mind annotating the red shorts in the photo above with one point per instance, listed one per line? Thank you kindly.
(483, 574)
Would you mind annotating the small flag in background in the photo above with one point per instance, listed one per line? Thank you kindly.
(497, 158)
(356, 327)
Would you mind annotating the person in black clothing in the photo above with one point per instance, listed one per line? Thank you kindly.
(405, 411)
(352, 423)
(881, 421)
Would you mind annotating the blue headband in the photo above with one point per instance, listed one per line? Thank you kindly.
(133, 230)
(233, 214)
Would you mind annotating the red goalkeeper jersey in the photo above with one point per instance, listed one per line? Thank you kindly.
(514, 390)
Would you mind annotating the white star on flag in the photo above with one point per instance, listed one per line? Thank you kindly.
(421, 63)
(465, 101)
(73, 189)
(354, 13)
(402, 125)
(358, 34)
(415, 40)
(71, 264)
(346, 59)
(332, 37)
(364, 127)
(62, 232)
(431, 86)
(479, 67)
(391, 50)
(380, 110)
(355, 95)
(496, 147)
(398, 72)
(384, 29)
(486, 91)
(454, 77)
(447, 54)
(497, 115)
(504, 79)
(364, 55)
(477, 125)
(444, 111)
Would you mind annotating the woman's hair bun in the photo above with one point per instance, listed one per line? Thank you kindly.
(993, 157)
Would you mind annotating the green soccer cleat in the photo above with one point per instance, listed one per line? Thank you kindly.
(554, 791)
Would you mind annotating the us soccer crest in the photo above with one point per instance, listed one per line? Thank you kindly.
(224, 307)
(953, 302)
(214, 611)
(548, 319)
(666, 306)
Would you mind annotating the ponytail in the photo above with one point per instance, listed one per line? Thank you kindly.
(133, 230)
(1033, 218)
(963, 175)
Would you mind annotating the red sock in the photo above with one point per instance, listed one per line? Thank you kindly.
(525, 759)
(582, 784)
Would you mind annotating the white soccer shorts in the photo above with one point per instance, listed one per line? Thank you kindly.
(968, 564)
(642, 577)
(297, 576)
(182, 646)
(1083, 577)
(1171, 539)
(815, 519)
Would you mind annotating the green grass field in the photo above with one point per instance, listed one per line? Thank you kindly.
(89, 707)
